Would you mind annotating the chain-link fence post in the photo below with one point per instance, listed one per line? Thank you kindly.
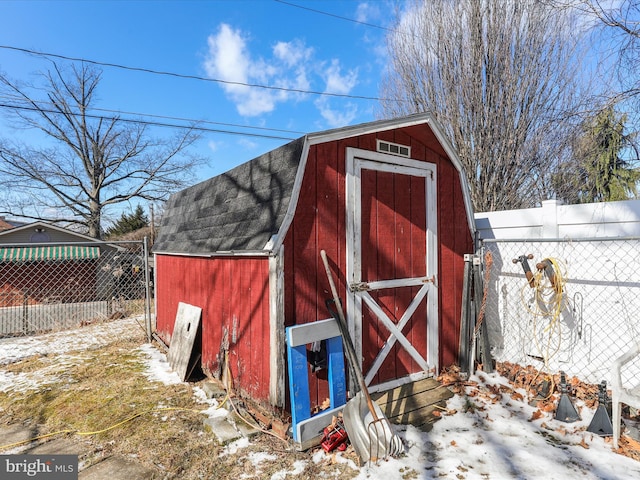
(147, 284)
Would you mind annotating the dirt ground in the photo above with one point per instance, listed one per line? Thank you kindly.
(102, 401)
(89, 392)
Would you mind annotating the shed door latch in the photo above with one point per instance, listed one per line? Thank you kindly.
(359, 287)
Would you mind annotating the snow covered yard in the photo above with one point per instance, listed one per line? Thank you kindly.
(489, 431)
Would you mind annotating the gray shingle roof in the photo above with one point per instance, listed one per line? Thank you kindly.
(238, 210)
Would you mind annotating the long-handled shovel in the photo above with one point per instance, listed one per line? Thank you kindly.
(369, 430)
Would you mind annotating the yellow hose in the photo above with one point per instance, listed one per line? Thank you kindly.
(75, 432)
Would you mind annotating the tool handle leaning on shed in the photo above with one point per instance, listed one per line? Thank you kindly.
(346, 338)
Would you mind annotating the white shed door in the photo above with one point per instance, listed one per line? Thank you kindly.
(392, 266)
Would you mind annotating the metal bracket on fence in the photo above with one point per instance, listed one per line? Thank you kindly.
(474, 335)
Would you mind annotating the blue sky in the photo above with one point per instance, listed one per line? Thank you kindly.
(264, 42)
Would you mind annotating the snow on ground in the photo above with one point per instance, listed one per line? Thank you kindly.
(484, 436)
(14, 349)
(158, 368)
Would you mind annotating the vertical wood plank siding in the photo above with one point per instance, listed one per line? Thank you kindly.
(319, 223)
(234, 291)
(234, 296)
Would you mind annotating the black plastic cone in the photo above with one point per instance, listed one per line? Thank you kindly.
(566, 412)
(601, 423)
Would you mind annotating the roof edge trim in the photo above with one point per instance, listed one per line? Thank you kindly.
(47, 225)
(278, 239)
(232, 253)
(437, 129)
(370, 127)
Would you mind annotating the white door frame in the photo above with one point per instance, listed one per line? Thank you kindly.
(356, 161)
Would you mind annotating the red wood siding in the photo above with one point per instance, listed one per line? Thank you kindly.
(319, 223)
(393, 246)
(454, 237)
(233, 293)
(455, 240)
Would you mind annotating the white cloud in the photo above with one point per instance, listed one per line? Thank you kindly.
(248, 144)
(336, 117)
(292, 53)
(213, 146)
(336, 82)
(367, 12)
(227, 58)
(341, 83)
(291, 65)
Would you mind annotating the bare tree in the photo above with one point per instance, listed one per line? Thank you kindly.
(89, 162)
(501, 76)
(620, 24)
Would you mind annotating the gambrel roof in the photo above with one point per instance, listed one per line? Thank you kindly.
(239, 210)
(242, 210)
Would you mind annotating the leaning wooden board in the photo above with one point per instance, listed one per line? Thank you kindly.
(182, 340)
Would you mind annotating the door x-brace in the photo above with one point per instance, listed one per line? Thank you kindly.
(395, 331)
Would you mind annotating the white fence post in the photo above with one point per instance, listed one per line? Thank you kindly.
(550, 218)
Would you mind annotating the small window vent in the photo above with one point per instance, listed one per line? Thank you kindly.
(394, 148)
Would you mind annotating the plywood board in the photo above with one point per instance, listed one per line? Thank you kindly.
(182, 340)
(413, 403)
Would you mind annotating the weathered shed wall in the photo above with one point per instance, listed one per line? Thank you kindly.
(320, 224)
(233, 293)
(255, 268)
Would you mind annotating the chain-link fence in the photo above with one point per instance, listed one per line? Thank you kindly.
(52, 286)
(579, 312)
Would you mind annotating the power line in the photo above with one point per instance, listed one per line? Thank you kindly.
(195, 77)
(183, 119)
(186, 76)
(149, 123)
(328, 14)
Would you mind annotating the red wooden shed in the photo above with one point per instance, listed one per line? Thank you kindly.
(388, 202)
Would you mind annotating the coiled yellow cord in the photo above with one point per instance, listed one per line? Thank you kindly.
(549, 301)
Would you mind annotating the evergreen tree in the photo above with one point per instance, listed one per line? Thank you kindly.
(599, 173)
(129, 223)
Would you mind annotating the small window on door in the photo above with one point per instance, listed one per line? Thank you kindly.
(394, 148)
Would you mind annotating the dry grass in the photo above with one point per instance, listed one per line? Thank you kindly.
(95, 390)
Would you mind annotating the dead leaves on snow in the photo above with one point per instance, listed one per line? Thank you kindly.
(542, 391)
(628, 447)
(536, 415)
(544, 386)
